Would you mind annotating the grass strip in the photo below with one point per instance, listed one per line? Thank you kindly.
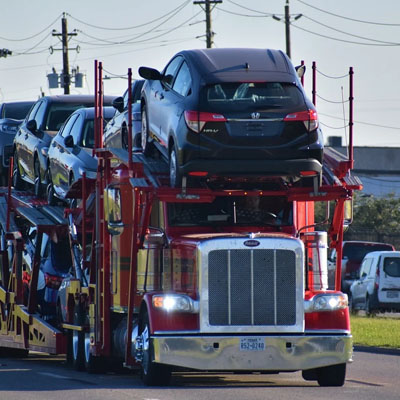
(375, 331)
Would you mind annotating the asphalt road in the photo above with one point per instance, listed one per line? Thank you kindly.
(371, 376)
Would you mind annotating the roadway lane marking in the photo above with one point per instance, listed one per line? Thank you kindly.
(53, 375)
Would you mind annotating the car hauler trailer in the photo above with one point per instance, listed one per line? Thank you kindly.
(217, 276)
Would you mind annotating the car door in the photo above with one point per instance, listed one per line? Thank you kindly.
(58, 157)
(162, 96)
(359, 287)
(26, 139)
(389, 279)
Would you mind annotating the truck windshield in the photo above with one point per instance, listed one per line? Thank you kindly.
(233, 210)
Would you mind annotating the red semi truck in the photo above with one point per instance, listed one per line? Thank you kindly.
(216, 276)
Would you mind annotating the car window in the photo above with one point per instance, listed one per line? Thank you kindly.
(88, 134)
(391, 266)
(136, 93)
(170, 71)
(357, 251)
(58, 113)
(251, 95)
(66, 129)
(16, 110)
(183, 80)
(40, 115)
(366, 267)
(76, 129)
(33, 111)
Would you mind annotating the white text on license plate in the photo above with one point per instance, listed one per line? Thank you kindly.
(252, 344)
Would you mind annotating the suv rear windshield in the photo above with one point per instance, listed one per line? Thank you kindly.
(357, 251)
(16, 110)
(391, 266)
(236, 96)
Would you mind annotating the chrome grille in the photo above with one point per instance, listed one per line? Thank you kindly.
(252, 287)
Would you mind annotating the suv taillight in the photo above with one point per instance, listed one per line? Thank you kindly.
(52, 281)
(309, 119)
(195, 120)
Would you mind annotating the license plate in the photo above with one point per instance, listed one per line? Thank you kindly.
(392, 295)
(252, 344)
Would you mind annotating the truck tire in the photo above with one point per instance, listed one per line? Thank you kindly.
(78, 342)
(334, 375)
(152, 374)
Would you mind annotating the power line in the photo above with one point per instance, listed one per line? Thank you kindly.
(183, 5)
(249, 9)
(349, 34)
(343, 40)
(348, 18)
(363, 123)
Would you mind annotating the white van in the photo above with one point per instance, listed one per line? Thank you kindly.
(378, 285)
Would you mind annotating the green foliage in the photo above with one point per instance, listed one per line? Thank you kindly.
(379, 215)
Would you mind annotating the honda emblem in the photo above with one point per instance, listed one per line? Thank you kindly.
(255, 115)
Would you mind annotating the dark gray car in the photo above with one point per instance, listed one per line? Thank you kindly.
(11, 117)
(33, 138)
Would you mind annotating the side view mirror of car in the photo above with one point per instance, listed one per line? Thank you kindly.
(149, 73)
(118, 104)
(301, 70)
(31, 125)
(69, 141)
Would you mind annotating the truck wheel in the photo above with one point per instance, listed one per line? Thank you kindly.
(17, 181)
(93, 364)
(333, 375)
(153, 374)
(175, 177)
(78, 343)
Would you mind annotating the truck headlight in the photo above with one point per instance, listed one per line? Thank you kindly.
(175, 303)
(326, 302)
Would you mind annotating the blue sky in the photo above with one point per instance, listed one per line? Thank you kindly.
(336, 34)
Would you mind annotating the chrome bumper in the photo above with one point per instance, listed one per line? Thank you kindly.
(222, 353)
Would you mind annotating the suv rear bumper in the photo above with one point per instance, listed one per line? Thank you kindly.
(281, 353)
(273, 168)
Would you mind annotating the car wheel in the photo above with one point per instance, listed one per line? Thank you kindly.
(16, 175)
(145, 143)
(333, 375)
(51, 200)
(175, 177)
(153, 374)
(124, 138)
(38, 181)
(351, 304)
(368, 307)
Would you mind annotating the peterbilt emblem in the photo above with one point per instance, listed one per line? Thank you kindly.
(255, 115)
(251, 243)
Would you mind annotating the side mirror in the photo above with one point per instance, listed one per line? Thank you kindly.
(118, 104)
(69, 141)
(149, 73)
(31, 125)
(301, 70)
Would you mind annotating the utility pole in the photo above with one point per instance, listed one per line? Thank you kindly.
(66, 77)
(287, 26)
(207, 9)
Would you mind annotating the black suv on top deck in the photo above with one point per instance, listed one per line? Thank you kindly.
(231, 111)
(33, 138)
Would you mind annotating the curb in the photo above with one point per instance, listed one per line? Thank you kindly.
(378, 350)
